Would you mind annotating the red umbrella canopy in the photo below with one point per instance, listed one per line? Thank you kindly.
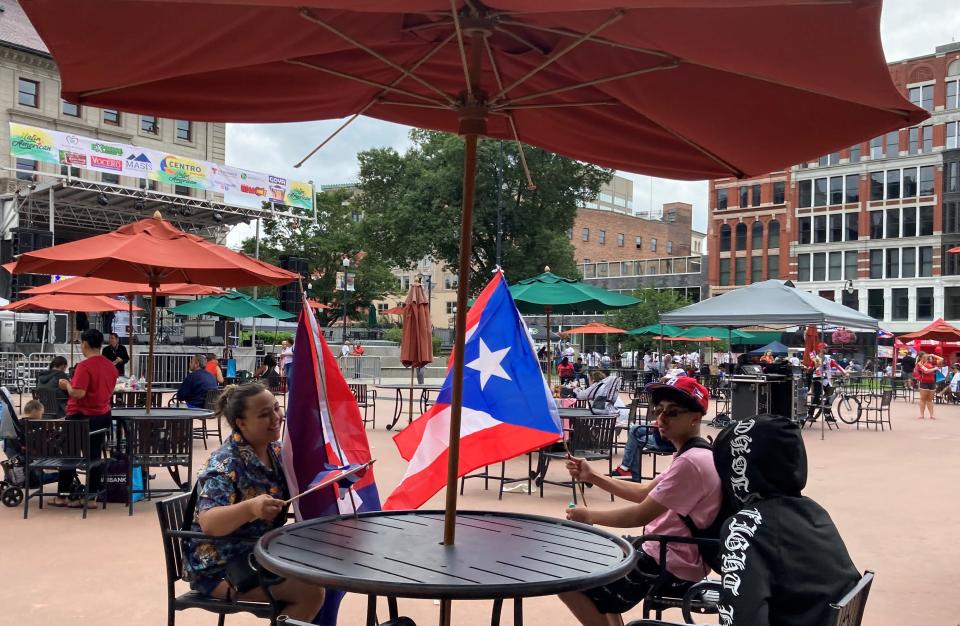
(99, 286)
(629, 84)
(319, 305)
(593, 328)
(68, 302)
(938, 330)
(153, 251)
(416, 345)
(397, 310)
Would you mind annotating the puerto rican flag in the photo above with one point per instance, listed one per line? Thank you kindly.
(507, 407)
(324, 433)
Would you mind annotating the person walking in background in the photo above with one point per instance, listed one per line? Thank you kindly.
(116, 353)
(286, 357)
(927, 366)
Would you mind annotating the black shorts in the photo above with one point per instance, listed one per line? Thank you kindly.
(622, 595)
(930, 386)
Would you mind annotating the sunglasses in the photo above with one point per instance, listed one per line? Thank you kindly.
(671, 411)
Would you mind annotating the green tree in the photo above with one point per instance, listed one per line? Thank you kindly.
(412, 205)
(336, 234)
(653, 303)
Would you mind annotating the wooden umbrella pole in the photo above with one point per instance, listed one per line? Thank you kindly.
(153, 317)
(410, 402)
(547, 308)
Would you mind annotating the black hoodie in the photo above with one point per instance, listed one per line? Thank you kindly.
(783, 559)
(50, 379)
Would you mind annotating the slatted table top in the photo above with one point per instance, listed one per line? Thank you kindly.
(160, 413)
(399, 553)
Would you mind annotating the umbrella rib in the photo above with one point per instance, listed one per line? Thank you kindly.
(463, 52)
(737, 172)
(674, 63)
(560, 105)
(513, 124)
(553, 58)
(358, 79)
(510, 33)
(415, 105)
(307, 15)
(591, 39)
(376, 98)
(426, 26)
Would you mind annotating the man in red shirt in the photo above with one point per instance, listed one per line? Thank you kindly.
(89, 395)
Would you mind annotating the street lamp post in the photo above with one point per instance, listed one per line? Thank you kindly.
(346, 268)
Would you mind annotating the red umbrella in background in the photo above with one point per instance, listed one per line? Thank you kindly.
(811, 339)
(80, 285)
(152, 251)
(397, 310)
(320, 306)
(67, 302)
(572, 77)
(416, 343)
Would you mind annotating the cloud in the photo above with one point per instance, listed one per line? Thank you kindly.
(908, 28)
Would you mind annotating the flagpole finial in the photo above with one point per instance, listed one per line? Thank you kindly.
(546, 268)
(157, 215)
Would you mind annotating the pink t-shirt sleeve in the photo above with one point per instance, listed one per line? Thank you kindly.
(680, 488)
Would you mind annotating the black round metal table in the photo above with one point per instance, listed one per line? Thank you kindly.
(398, 554)
(424, 390)
(160, 413)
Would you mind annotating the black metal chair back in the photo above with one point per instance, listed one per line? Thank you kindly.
(592, 435)
(849, 610)
(135, 399)
(56, 438)
(51, 403)
(161, 441)
(359, 392)
(210, 401)
(171, 512)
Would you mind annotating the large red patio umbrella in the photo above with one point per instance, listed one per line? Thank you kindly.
(627, 84)
(152, 251)
(82, 285)
(416, 343)
(67, 302)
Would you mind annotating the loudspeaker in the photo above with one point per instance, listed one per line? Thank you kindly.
(289, 295)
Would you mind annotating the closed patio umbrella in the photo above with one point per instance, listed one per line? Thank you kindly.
(572, 77)
(416, 343)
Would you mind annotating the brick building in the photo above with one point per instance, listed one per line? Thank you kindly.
(600, 235)
(868, 225)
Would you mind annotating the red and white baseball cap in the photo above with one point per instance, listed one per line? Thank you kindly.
(682, 390)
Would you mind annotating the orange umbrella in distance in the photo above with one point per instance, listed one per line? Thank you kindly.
(397, 310)
(318, 305)
(593, 328)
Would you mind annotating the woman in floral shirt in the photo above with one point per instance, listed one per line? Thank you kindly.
(240, 496)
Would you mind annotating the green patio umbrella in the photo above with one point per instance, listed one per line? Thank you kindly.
(233, 305)
(548, 293)
(656, 329)
(697, 332)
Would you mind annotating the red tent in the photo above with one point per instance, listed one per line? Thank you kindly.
(938, 330)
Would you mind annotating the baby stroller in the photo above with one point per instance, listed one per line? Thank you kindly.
(12, 443)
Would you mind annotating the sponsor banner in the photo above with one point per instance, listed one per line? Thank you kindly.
(238, 186)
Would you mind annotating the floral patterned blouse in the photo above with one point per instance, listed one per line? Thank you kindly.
(233, 474)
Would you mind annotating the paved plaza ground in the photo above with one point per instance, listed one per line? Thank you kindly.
(892, 494)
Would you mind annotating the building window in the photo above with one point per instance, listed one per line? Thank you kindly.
(951, 177)
(913, 140)
(952, 134)
(836, 266)
(820, 229)
(69, 109)
(721, 198)
(951, 303)
(853, 226)
(926, 261)
(111, 117)
(724, 272)
(876, 264)
(756, 235)
(836, 190)
(620, 240)
(900, 300)
(823, 161)
(909, 221)
(893, 263)
(909, 182)
(741, 236)
(638, 242)
(875, 304)
(893, 144)
(602, 237)
(653, 245)
(893, 184)
(725, 238)
(805, 192)
(925, 185)
(876, 185)
(850, 265)
(182, 190)
(850, 300)
(773, 234)
(744, 196)
(755, 195)
(669, 247)
(585, 234)
(569, 233)
(925, 223)
(803, 268)
(740, 276)
(149, 124)
(773, 266)
(756, 269)
(110, 179)
(805, 231)
(779, 190)
(893, 223)
(184, 130)
(876, 224)
(876, 147)
(851, 188)
(820, 192)
(922, 96)
(928, 138)
(147, 184)
(72, 172)
(951, 221)
(855, 153)
(451, 308)
(908, 263)
(28, 93)
(836, 227)
(819, 266)
(31, 169)
(953, 93)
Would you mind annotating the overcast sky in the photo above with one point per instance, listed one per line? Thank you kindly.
(909, 28)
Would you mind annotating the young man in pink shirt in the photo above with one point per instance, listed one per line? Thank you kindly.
(689, 487)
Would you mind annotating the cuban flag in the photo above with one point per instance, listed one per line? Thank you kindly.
(507, 408)
(324, 430)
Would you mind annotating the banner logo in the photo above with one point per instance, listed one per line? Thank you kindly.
(103, 163)
(103, 148)
(139, 162)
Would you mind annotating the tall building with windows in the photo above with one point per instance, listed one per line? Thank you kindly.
(869, 225)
